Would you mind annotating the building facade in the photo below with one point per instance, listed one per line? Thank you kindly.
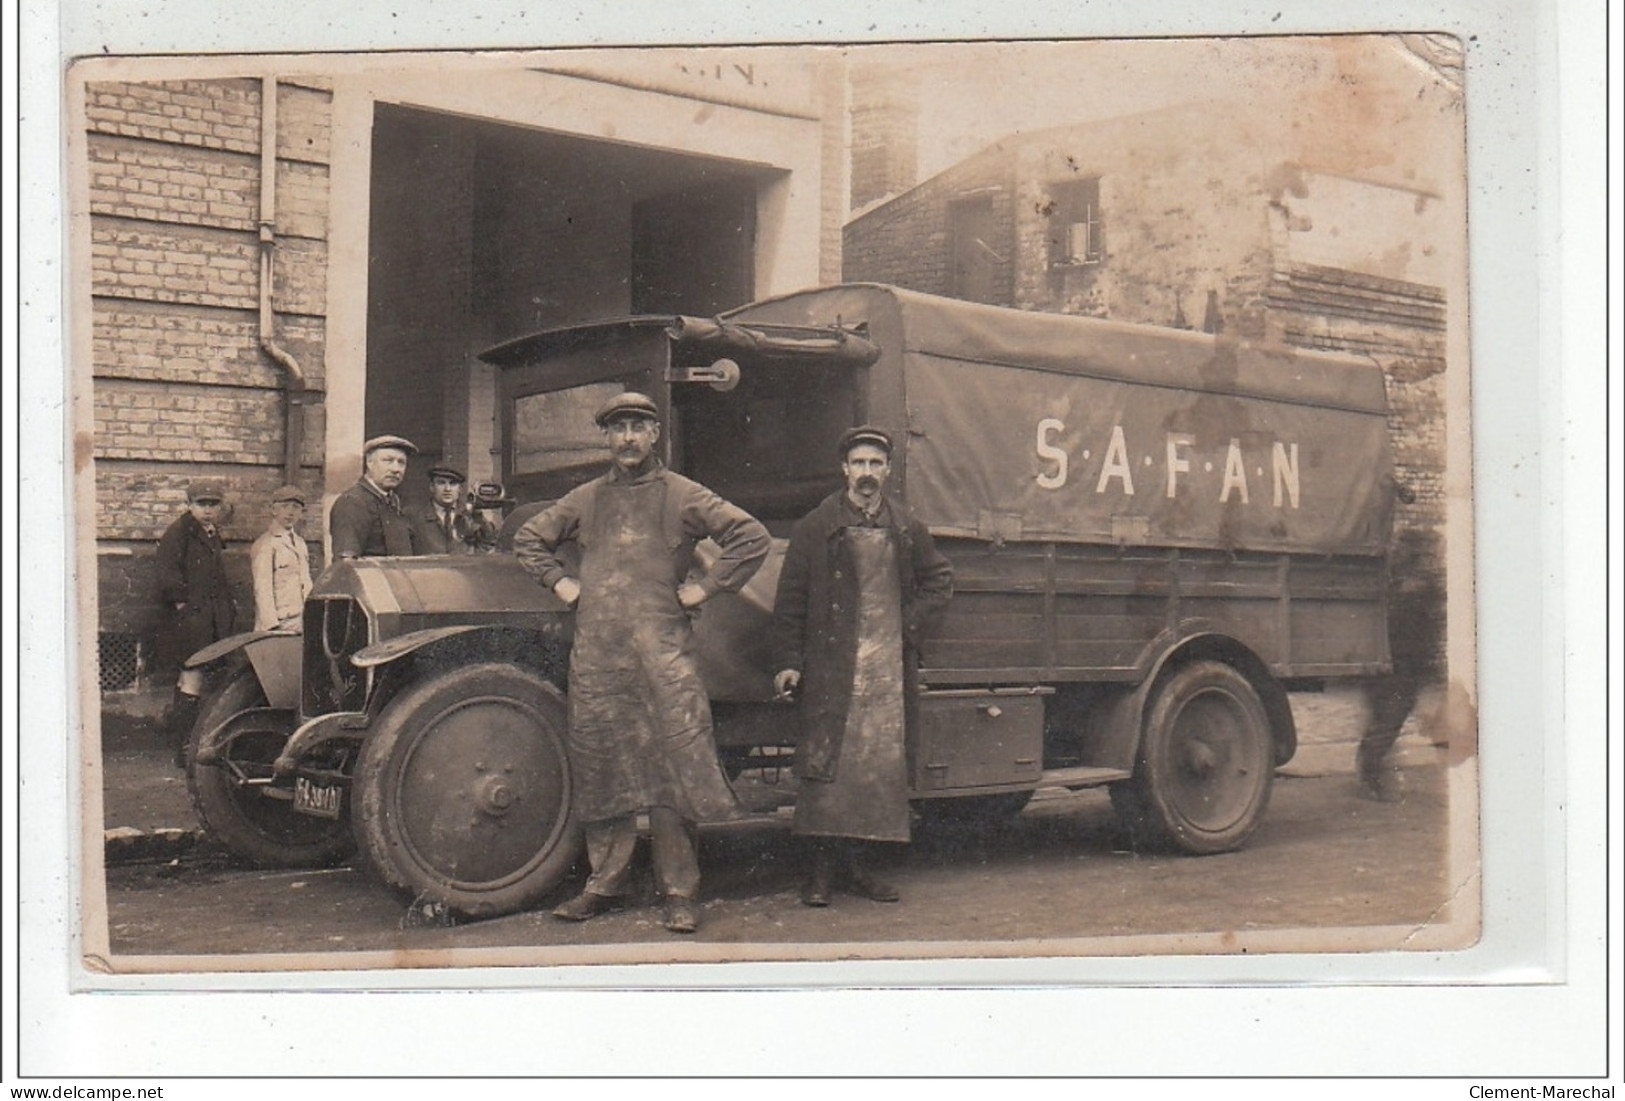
(273, 266)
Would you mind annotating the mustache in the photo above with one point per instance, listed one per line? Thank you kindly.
(868, 483)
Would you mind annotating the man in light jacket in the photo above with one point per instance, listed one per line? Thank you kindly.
(280, 563)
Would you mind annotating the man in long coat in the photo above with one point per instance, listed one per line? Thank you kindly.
(862, 583)
(1413, 609)
(195, 599)
(367, 520)
(640, 732)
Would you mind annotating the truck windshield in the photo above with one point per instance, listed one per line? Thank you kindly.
(554, 430)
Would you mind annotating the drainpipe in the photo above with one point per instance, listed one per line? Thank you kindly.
(293, 432)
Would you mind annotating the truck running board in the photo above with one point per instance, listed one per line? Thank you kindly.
(1083, 776)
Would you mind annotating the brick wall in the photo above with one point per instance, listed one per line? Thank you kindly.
(1180, 216)
(182, 389)
(884, 144)
(908, 242)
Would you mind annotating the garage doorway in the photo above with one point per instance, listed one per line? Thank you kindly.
(481, 232)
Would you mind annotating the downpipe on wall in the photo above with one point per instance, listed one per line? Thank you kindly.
(294, 391)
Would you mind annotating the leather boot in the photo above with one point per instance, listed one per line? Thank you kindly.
(816, 890)
(183, 709)
(680, 914)
(864, 883)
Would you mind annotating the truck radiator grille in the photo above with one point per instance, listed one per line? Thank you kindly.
(335, 628)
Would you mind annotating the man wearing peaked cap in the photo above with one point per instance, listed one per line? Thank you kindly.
(367, 519)
(861, 586)
(628, 404)
(196, 605)
(280, 563)
(864, 434)
(446, 525)
(640, 734)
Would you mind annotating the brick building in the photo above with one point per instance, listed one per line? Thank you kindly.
(1270, 225)
(273, 266)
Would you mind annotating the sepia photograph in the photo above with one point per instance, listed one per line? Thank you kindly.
(735, 504)
(707, 544)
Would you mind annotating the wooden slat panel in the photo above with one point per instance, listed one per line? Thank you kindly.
(977, 654)
(1099, 654)
(991, 626)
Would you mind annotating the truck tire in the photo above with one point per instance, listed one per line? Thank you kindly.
(463, 792)
(245, 818)
(1205, 766)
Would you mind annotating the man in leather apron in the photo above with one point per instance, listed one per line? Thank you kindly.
(861, 585)
(640, 734)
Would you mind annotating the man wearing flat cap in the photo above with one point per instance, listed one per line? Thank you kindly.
(446, 525)
(367, 520)
(862, 584)
(280, 563)
(640, 732)
(195, 600)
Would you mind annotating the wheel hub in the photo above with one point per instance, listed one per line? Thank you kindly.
(493, 796)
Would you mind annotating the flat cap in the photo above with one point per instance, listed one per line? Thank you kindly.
(629, 404)
(448, 472)
(399, 443)
(206, 489)
(288, 493)
(864, 433)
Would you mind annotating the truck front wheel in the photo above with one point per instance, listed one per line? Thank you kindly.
(1205, 765)
(233, 797)
(463, 791)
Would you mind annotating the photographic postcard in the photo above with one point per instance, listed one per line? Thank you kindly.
(1176, 382)
(1171, 337)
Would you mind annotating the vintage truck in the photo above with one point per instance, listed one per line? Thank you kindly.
(1155, 534)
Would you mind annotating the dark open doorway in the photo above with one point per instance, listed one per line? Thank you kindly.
(693, 250)
(481, 232)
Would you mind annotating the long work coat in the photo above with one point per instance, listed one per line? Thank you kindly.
(195, 598)
(366, 522)
(815, 619)
(640, 722)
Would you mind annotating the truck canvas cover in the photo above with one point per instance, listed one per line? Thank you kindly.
(1044, 427)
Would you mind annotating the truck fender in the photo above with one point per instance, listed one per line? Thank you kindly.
(276, 657)
(225, 647)
(393, 649)
(1126, 719)
(503, 642)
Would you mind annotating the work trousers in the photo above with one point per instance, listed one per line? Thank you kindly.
(1389, 700)
(612, 844)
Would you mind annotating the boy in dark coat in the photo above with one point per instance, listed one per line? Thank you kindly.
(195, 600)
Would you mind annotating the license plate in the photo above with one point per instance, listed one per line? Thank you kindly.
(320, 800)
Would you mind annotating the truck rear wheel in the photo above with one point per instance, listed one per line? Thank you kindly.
(463, 792)
(1206, 763)
(249, 818)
